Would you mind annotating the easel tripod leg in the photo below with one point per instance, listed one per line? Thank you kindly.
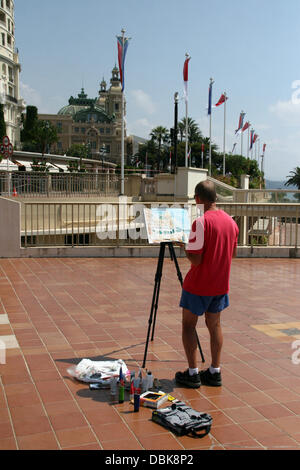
(158, 280)
(154, 299)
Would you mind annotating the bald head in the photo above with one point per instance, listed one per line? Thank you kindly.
(206, 191)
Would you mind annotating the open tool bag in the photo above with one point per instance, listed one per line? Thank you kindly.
(183, 420)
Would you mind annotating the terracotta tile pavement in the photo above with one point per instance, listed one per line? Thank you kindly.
(57, 311)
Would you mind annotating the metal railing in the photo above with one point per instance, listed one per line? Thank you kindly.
(224, 191)
(266, 224)
(121, 224)
(32, 184)
(83, 224)
(267, 195)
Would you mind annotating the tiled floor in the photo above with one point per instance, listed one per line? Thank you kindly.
(54, 312)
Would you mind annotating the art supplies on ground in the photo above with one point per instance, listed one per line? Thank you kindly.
(153, 399)
(183, 420)
(143, 391)
(97, 371)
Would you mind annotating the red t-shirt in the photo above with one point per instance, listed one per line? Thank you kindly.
(215, 236)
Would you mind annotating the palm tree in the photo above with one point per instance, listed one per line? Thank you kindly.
(160, 135)
(294, 179)
(181, 128)
(194, 132)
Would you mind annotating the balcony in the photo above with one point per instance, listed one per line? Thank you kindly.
(11, 99)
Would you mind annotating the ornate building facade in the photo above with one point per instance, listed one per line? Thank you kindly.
(10, 69)
(94, 122)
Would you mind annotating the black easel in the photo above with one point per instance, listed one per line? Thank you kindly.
(155, 297)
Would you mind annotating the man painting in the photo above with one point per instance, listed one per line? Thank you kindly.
(211, 247)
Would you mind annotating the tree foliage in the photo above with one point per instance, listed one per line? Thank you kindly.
(294, 178)
(158, 148)
(44, 135)
(37, 135)
(194, 133)
(78, 150)
(29, 122)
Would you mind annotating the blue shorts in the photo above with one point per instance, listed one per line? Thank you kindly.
(199, 304)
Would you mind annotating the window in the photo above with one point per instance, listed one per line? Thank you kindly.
(101, 130)
(8, 24)
(117, 107)
(59, 145)
(76, 130)
(92, 117)
(83, 130)
(9, 39)
(3, 39)
(8, 4)
(107, 148)
(10, 91)
(10, 75)
(107, 130)
(59, 127)
(2, 17)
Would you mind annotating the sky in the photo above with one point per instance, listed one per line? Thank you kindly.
(251, 49)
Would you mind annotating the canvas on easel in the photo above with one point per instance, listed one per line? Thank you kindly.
(164, 224)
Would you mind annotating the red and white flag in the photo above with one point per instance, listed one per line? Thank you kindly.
(222, 99)
(186, 77)
(246, 126)
(255, 138)
(264, 148)
(241, 123)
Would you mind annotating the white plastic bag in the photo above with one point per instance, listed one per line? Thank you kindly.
(97, 371)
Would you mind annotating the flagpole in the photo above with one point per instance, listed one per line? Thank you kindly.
(186, 125)
(248, 141)
(242, 143)
(209, 172)
(123, 129)
(242, 114)
(224, 172)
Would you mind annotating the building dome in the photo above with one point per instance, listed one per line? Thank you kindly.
(71, 110)
(76, 104)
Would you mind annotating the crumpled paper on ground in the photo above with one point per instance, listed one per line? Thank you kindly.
(97, 371)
